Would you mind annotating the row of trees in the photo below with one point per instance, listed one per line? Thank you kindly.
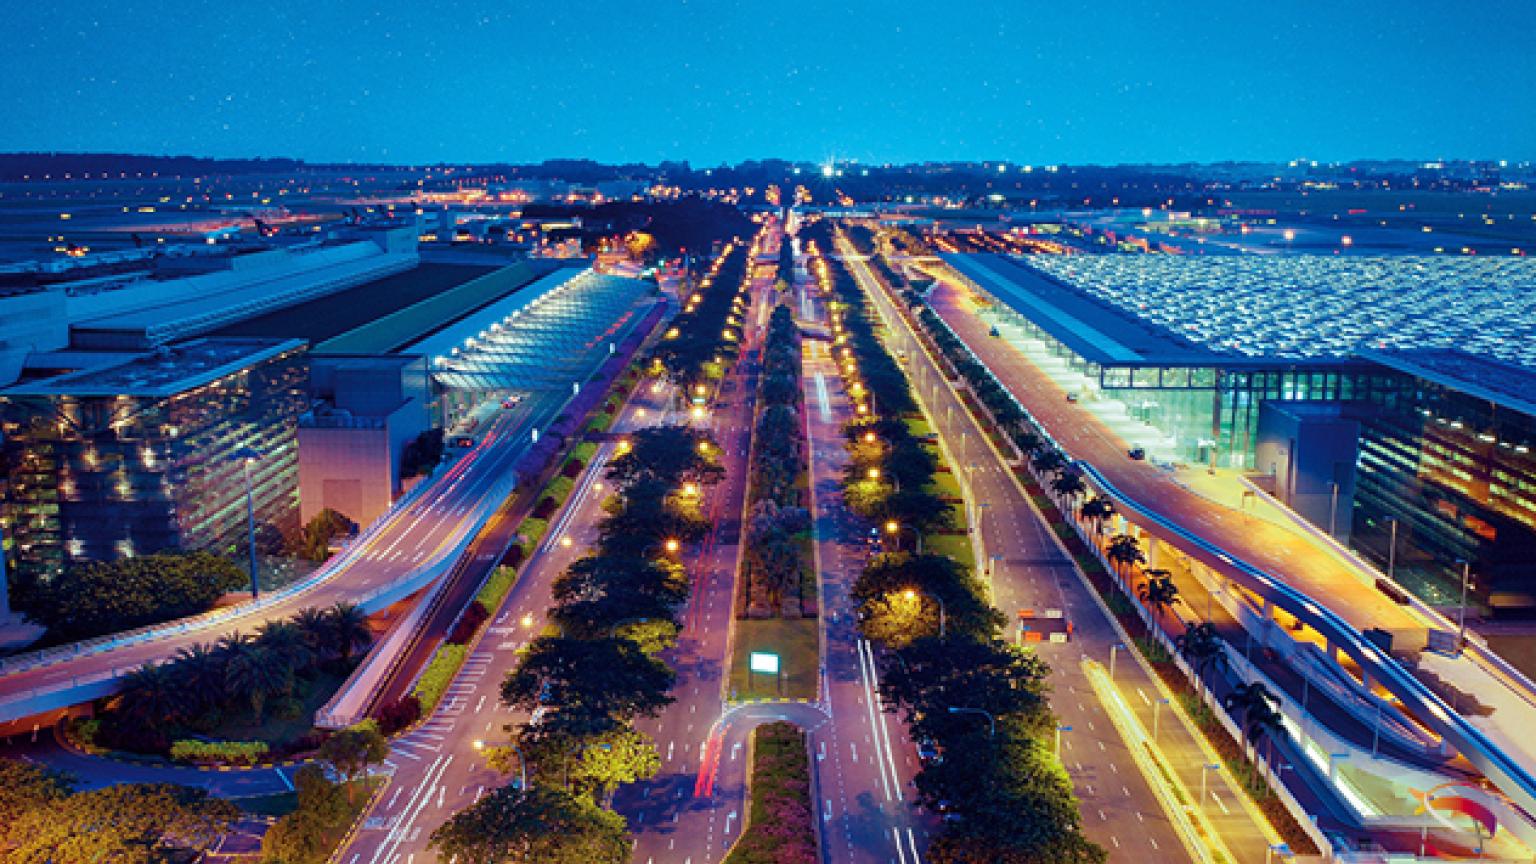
(890, 472)
(238, 677)
(979, 700)
(776, 552)
(617, 609)
(696, 342)
(1252, 706)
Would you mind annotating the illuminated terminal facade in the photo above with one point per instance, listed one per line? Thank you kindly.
(1432, 446)
(150, 453)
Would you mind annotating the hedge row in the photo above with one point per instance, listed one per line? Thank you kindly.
(225, 752)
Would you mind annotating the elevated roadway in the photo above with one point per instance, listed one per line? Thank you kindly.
(1283, 567)
(413, 544)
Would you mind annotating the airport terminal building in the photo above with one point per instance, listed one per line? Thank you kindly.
(1378, 427)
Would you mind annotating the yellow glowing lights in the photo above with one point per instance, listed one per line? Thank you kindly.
(672, 544)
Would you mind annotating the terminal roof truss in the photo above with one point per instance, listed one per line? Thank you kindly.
(551, 342)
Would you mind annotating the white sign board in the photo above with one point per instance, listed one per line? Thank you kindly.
(766, 663)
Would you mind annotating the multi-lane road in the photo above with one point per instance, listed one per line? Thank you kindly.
(440, 767)
(865, 760)
(1316, 584)
(407, 542)
(1031, 571)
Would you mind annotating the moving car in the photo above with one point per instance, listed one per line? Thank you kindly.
(1137, 453)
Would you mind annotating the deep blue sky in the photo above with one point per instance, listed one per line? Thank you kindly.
(875, 80)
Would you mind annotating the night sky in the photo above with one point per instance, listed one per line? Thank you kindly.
(411, 81)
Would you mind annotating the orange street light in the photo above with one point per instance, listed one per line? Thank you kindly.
(892, 527)
(690, 488)
(672, 544)
(874, 473)
(869, 437)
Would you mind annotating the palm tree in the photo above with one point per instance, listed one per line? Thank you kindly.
(231, 645)
(1098, 511)
(285, 641)
(152, 696)
(1028, 440)
(1158, 591)
(1048, 460)
(201, 672)
(1125, 551)
(258, 675)
(1247, 698)
(314, 625)
(349, 629)
(1201, 647)
(1069, 484)
(1264, 722)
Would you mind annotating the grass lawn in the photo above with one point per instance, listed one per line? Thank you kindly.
(796, 643)
(956, 546)
(276, 730)
(919, 427)
(945, 485)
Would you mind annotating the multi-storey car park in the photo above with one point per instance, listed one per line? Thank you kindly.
(127, 414)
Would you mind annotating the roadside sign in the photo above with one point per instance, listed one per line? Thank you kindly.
(764, 662)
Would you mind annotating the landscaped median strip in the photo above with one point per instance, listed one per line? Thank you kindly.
(1193, 826)
(449, 658)
(780, 827)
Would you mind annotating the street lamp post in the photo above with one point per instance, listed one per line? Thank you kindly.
(1205, 770)
(1060, 729)
(1113, 650)
(912, 594)
(1157, 713)
(1461, 617)
(1333, 507)
(248, 457)
(1392, 551)
(991, 721)
(895, 528)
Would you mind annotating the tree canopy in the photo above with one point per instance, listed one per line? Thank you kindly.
(542, 825)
